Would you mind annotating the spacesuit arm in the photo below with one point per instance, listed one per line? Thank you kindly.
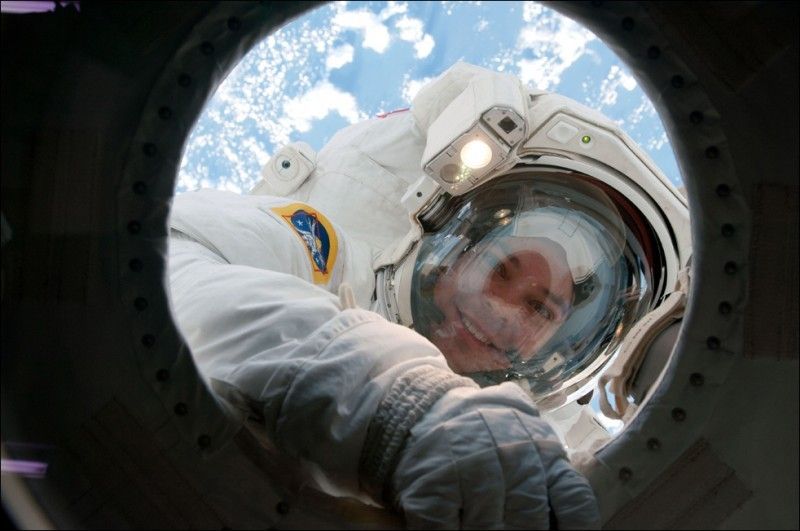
(283, 349)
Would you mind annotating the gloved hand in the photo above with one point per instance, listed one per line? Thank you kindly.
(482, 458)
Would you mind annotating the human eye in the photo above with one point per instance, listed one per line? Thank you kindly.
(501, 271)
(540, 309)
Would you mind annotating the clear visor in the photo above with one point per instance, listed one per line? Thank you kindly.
(533, 277)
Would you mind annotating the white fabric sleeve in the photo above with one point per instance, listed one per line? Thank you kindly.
(312, 373)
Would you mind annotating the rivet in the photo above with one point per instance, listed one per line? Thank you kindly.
(731, 268)
(419, 194)
(204, 441)
(181, 409)
(282, 508)
(713, 343)
(712, 152)
(653, 52)
(134, 227)
(139, 188)
(627, 23)
(234, 24)
(148, 340)
(696, 117)
(625, 474)
(140, 303)
(728, 230)
(653, 444)
(165, 113)
(723, 190)
(725, 308)
(135, 265)
(677, 82)
(184, 80)
(207, 48)
(696, 379)
(678, 415)
(149, 149)
(162, 375)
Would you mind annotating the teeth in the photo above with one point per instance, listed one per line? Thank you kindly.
(474, 331)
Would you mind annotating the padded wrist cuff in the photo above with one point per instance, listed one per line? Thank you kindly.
(409, 398)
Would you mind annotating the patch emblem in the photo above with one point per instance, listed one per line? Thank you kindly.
(317, 235)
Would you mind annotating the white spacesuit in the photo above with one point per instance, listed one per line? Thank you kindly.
(502, 225)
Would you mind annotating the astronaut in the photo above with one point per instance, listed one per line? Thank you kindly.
(396, 310)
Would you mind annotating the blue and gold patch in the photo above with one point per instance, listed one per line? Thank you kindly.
(318, 237)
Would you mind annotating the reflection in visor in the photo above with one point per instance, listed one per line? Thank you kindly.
(534, 277)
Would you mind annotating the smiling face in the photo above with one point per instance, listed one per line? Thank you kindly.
(501, 302)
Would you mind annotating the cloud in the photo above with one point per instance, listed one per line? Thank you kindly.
(376, 34)
(338, 57)
(411, 30)
(555, 43)
(412, 86)
(609, 88)
(317, 103)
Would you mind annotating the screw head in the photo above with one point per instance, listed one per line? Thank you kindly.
(162, 375)
(713, 343)
(204, 441)
(135, 265)
(140, 303)
(696, 117)
(677, 81)
(696, 379)
(625, 474)
(184, 80)
(282, 508)
(165, 113)
(148, 340)
(712, 152)
(678, 414)
(181, 409)
(728, 230)
(134, 227)
(725, 308)
(723, 190)
(139, 188)
(286, 164)
(149, 149)
(207, 48)
(731, 268)
(653, 444)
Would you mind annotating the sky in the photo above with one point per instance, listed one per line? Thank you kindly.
(350, 61)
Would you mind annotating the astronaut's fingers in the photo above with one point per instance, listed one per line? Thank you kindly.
(571, 496)
(520, 482)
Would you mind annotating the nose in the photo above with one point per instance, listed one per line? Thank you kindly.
(504, 321)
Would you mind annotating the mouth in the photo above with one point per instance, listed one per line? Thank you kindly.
(475, 332)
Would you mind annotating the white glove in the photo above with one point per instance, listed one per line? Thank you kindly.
(482, 458)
